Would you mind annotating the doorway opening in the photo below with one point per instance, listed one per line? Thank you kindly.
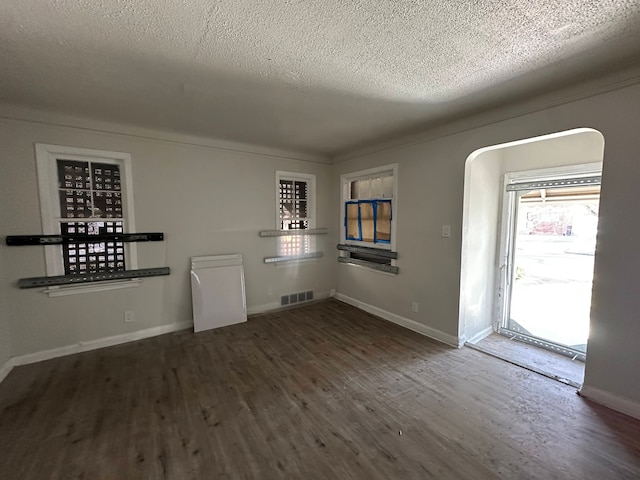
(549, 249)
(530, 217)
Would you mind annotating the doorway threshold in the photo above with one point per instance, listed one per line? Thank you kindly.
(543, 362)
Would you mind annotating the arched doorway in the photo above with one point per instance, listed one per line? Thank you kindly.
(501, 202)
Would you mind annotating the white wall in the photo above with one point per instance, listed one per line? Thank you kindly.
(431, 177)
(206, 200)
(429, 196)
(210, 201)
(480, 234)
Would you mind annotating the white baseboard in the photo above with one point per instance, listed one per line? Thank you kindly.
(100, 343)
(481, 335)
(620, 404)
(404, 322)
(6, 368)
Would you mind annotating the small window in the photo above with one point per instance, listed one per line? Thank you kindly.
(296, 211)
(293, 199)
(85, 192)
(368, 200)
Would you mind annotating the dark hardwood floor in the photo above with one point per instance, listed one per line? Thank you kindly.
(321, 392)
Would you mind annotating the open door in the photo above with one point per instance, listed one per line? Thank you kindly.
(549, 237)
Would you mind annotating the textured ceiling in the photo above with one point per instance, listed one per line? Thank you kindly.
(319, 76)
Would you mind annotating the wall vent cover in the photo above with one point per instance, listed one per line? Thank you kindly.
(299, 297)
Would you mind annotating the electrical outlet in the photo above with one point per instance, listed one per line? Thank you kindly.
(332, 292)
(414, 307)
(446, 231)
(129, 316)
(269, 292)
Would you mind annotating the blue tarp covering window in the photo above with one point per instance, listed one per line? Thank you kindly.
(368, 221)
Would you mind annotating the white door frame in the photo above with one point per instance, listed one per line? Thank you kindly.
(509, 222)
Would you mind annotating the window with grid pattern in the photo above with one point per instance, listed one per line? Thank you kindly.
(84, 192)
(296, 210)
(293, 204)
(89, 191)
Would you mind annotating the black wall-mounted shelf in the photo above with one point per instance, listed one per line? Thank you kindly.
(22, 240)
(374, 258)
(34, 282)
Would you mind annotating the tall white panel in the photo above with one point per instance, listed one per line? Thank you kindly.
(217, 290)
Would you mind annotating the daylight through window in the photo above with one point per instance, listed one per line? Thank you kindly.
(368, 207)
(295, 212)
(89, 191)
(84, 192)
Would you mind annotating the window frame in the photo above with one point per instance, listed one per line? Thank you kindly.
(46, 167)
(311, 210)
(345, 197)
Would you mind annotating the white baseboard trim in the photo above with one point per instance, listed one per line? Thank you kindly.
(610, 400)
(481, 335)
(403, 322)
(5, 369)
(100, 343)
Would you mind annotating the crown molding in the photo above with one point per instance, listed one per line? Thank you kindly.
(558, 97)
(32, 115)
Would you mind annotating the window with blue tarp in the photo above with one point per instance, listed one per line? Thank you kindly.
(368, 221)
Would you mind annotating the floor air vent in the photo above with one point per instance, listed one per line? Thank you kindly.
(296, 298)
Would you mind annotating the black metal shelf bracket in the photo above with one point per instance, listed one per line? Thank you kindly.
(34, 282)
(22, 240)
(375, 258)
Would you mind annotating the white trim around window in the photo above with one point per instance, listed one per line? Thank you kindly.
(345, 181)
(46, 163)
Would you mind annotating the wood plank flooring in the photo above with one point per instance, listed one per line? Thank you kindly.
(321, 392)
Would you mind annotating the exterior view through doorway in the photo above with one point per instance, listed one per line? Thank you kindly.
(530, 215)
(549, 238)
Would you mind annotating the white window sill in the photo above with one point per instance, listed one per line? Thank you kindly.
(64, 290)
